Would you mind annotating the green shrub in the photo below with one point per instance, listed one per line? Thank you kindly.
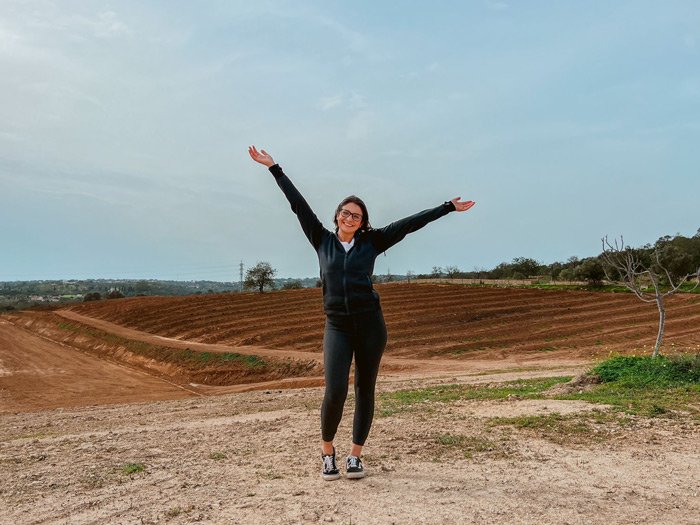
(133, 468)
(646, 371)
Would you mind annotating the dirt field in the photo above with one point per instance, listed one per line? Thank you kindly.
(92, 430)
(423, 320)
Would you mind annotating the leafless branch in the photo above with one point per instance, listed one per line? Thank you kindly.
(630, 267)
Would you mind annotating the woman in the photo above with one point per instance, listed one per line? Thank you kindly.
(354, 321)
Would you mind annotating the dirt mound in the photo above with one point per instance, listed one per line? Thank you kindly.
(177, 363)
(579, 384)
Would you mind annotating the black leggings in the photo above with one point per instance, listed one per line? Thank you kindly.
(364, 336)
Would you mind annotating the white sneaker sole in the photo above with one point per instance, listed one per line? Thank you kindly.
(330, 477)
(355, 475)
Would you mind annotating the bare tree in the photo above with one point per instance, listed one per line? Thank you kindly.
(633, 271)
(451, 272)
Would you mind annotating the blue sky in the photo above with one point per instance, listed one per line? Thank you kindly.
(124, 128)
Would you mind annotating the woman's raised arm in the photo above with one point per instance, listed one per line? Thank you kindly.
(388, 236)
(313, 229)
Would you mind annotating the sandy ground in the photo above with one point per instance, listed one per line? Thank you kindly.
(253, 458)
(36, 373)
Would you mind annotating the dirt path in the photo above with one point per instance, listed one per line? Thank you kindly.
(393, 368)
(37, 373)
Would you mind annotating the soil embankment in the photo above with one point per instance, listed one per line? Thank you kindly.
(37, 373)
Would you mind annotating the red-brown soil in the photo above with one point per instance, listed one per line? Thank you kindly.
(39, 373)
(423, 320)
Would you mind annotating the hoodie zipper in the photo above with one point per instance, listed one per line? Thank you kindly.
(345, 274)
(345, 282)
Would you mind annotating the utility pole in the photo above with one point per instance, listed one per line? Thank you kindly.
(241, 272)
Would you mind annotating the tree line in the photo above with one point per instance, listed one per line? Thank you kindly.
(679, 254)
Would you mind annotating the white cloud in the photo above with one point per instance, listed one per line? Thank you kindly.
(327, 103)
(46, 20)
(102, 25)
(496, 5)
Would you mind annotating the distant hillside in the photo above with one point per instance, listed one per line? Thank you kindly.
(20, 294)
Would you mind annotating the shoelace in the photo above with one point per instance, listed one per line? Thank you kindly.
(329, 463)
(353, 462)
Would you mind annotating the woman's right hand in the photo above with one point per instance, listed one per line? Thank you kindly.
(261, 156)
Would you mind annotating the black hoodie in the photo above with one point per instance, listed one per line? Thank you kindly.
(347, 276)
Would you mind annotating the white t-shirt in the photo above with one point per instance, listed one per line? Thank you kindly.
(348, 245)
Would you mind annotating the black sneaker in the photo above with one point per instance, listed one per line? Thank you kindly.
(330, 470)
(354, 468)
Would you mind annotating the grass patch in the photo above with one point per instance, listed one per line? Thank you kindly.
(174, 512)
(659, 387)
(649, 401)
(647, 386)
(217, 456)
(404, 400)
(186, 357)
(580, 428)
(216, 358)
(133, 468)
(468, 445)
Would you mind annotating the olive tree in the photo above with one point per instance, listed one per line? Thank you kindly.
(591, 271)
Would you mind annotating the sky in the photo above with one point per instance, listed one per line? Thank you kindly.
(124, 129)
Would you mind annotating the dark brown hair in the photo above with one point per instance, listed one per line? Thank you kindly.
(365, 225)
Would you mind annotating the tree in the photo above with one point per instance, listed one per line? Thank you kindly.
(436, 273)
(260, 276)
(451, 271)
(680, 255)
(555, 269)
(501, 271)
(590, 270)
(634, 267)
(525, 266)
(294, 284)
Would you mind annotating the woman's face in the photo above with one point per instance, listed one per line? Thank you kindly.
(349, 218)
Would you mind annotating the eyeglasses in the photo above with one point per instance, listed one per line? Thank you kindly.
(345, 214)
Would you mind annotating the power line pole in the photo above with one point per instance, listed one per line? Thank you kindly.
(241, 283)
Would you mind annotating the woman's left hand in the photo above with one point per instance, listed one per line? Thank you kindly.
(262, 156)
(462, 205)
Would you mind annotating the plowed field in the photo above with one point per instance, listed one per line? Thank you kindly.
(423, 320)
